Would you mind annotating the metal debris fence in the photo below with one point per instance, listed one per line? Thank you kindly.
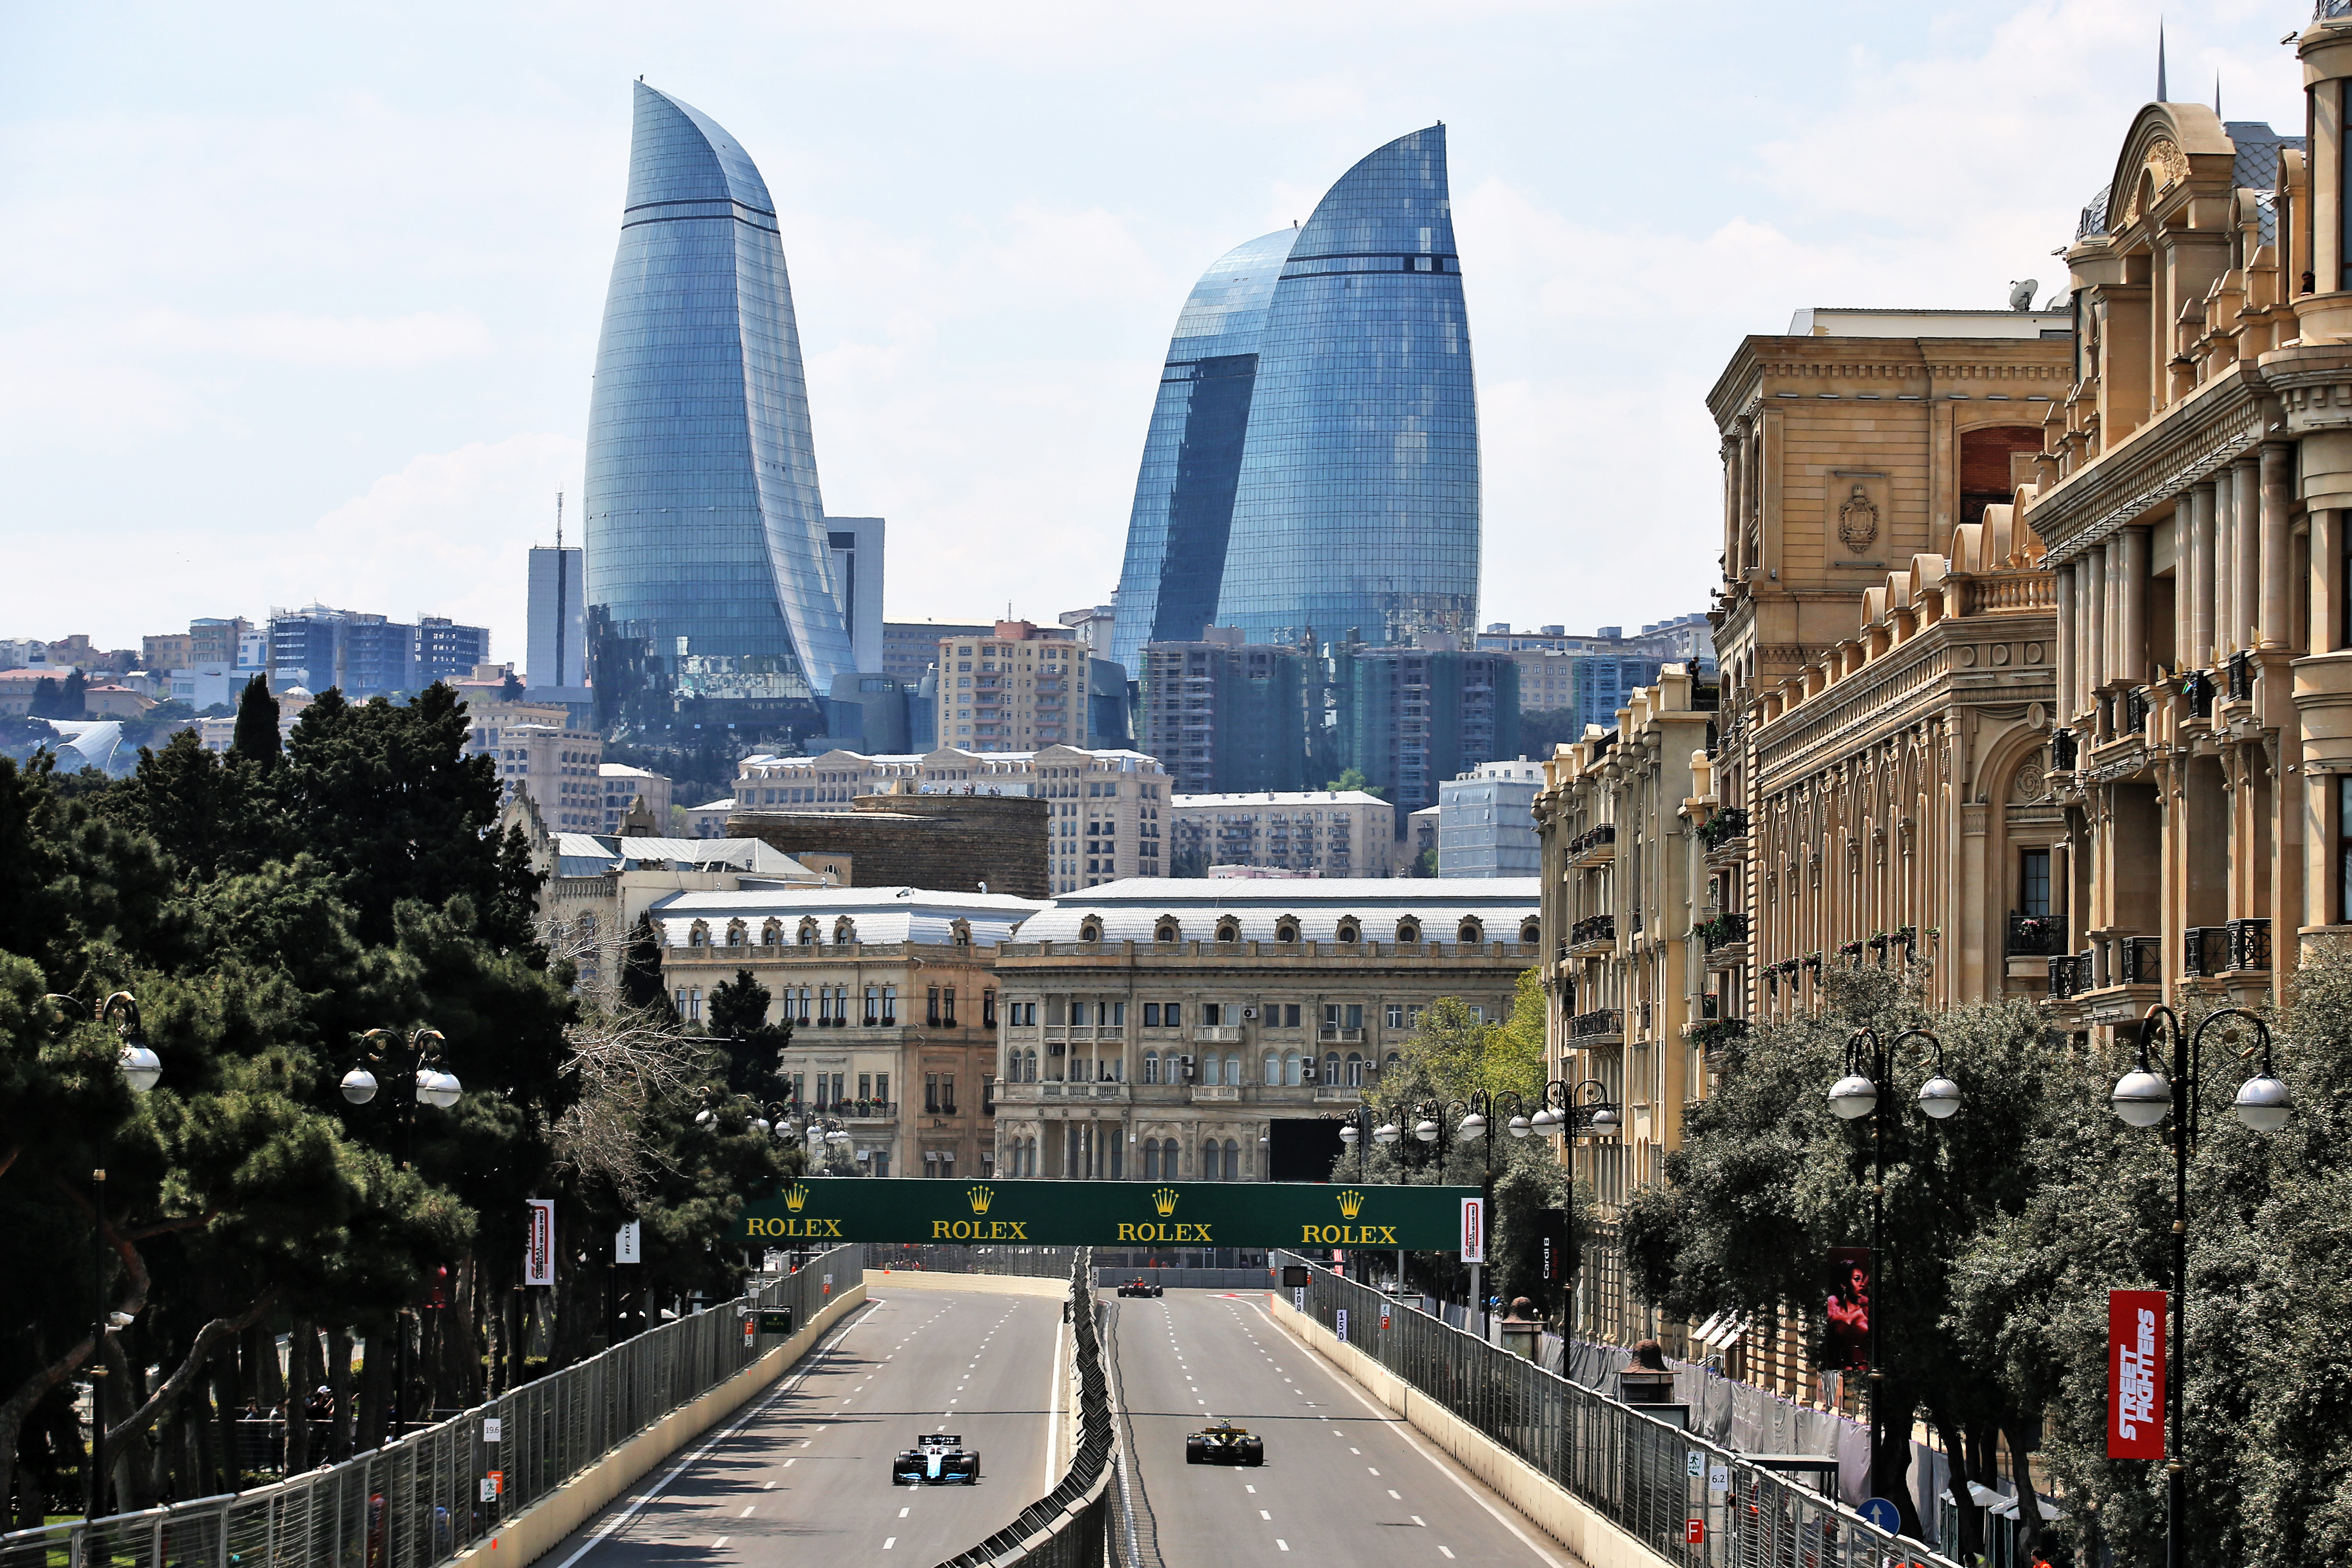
(1695, 1504)
(418, 1501)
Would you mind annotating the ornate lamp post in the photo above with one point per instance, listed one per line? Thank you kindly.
(414, 1060)
(141, 1067)
(1868, 1089)
(2142, 1098)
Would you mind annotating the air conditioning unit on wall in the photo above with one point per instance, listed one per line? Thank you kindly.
(1247, 1014)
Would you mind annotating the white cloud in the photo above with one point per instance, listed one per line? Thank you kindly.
(290, 339)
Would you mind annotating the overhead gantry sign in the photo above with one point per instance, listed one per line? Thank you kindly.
(1110, 1214)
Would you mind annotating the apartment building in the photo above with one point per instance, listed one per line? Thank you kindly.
(1225, 717)
(1323, 833)
(1106, 810)
(892, 998)
(1411, 718)
(911, 648)
(1017, 688)
(1220, 1030)
(540, 756)
(1486, 826)
(624, 786)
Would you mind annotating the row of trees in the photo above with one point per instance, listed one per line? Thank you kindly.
(2005, 1227)
(1456, 1062)
(266, 907)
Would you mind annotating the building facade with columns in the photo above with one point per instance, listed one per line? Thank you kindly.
(2192, 498)
(1180, 1029)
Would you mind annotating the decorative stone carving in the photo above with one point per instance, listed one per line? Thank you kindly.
(2030, 782)
(1858, 520)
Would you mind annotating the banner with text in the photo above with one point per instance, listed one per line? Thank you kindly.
(832, 1210)
(538, 1242)
(2135, 1374)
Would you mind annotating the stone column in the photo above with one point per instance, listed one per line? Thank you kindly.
(2095, 662)
(2278, 497)
(2069, 643)
(2193, 578)
(2326, 631)
(2247, 542)
(2131, 557)
(2222, 581)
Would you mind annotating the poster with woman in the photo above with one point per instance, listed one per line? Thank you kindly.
(1848, 1309)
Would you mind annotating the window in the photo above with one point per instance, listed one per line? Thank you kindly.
(947, 1094)
(946, 1007)
(1331, 1066)
(1290, 1015)
(865, 1086)
(1117, 1015)
(882, 1088)
(1152, 1014)
(1355, 1015)
(2033, 879)
(1355, 1070)
(1029, 1066)
(988, 1008)
(931, 1008)
(873, 1006)
(1273, 1065)
(1290, 1068)
(1173, 1015)
(932, 1094)
(1232, 1160)
(1151, 1067)
(1211, 1014)
(1150, 1158)
(1210, 1164)
(1396, 1015)
(1078, 1013)
(1233, 1070)
(987, 1095)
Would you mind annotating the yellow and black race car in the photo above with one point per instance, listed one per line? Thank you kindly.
(1224, 1443)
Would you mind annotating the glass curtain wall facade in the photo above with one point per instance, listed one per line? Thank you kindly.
(1354, 503)
(709, 575)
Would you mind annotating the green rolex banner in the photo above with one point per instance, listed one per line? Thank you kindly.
(835, 1209)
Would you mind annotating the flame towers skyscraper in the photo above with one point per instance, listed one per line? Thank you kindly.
(709, 578)
(1312, 463)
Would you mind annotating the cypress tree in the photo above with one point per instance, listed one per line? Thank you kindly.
(257, 724)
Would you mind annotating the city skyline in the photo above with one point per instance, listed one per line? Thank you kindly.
(360, 369)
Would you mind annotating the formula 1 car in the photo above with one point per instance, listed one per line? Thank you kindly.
(1138, 1287)
(1224, 1444)
(937, 1459)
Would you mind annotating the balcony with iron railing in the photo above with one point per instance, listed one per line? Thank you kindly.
(1602, 1025)
(2239, 946)
(2036, 936)
(1593, 932)
(1593, 846)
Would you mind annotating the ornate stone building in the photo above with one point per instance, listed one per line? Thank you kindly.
(2192, 498)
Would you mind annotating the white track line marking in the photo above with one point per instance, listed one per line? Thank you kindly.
(1413, 1440)
(815, 1359)
(717, 1543)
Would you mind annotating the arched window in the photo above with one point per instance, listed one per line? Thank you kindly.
(1029, 1066)
(1355, 1070)
(699, 936)
(1152, 1067)
(1229, 930)
(1388, 1062)
(1273, 1065)
(1167, 930)
(1210, 1164)
(1290, 1068)
(772, 934)
(1470, 929)
(1285, 930)
(1408, 931)
(1234, 1069)
(1530, 931)
(1351, 929)
(960, 931)
(1090, 930)
(845, 931)
(1151, 1159)
(1331, 1066)
(1232, 1159)
(808, 937)
(738, 934)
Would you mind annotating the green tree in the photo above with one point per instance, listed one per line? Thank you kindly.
(753, 1046)
(256, 738)
(1354, 779)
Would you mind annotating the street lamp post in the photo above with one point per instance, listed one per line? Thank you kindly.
(2142, 1098)
(141, 1067)
(414, 1060)
(1868, 1089)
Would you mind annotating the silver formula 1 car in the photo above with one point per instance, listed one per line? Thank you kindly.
(937, 1459)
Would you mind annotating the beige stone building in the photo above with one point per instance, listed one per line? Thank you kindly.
(2192, 501)
(1018, 690)
(1330, 833)
(892, 1002)
(623, 787)
(1108, 810)
(1185, 1029)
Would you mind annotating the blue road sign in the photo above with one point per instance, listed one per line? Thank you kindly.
(1882, 1514)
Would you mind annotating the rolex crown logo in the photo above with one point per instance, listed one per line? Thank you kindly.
(795, 1196)
(1164, 1200)
(1351, 1202)
(981, 1198)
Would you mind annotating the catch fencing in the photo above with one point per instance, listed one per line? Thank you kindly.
(949, 1257)
(419, 1500)
(1696, 1505)
(1071, 1526)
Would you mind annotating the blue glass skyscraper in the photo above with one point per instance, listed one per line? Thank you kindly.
(709, 578)
(1350, 503)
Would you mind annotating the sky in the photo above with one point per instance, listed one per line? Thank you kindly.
(300, 302)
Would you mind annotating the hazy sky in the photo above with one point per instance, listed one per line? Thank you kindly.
(300, 303)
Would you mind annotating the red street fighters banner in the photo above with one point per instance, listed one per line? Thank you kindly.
(2135, 1374)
